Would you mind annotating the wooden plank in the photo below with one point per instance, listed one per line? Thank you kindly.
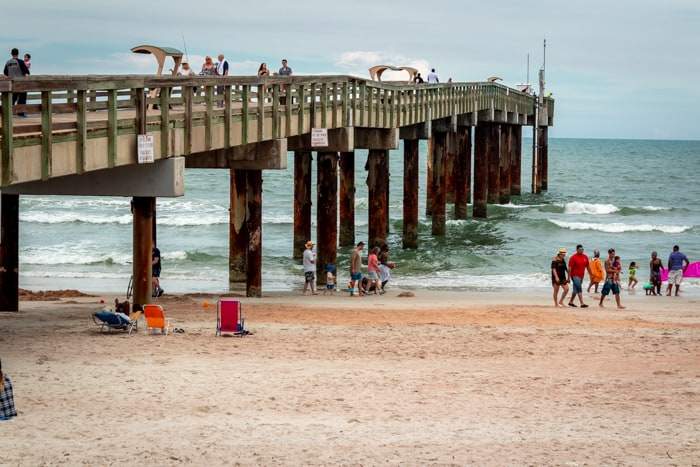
(345, 106)
(378, 107)
(112, 128)
(164, 121)
(227, 116)
(275, 111)
(300, 118)
(46, 133)
(261, 112)
(209, 118)
(7, 137)
(188, 97)
(370, 96)
(244, 114)
(312, 106)
(362, 103)
(392, 104)
(81, 136)
(288, 104)
(324, 105)
(334, 106)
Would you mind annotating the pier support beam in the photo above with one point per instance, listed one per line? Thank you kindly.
(485, 149)
(450, 164)
(346, 196)
(429, 179)
(439, 185)
(504, 167)
(377, 182)
(142, 208)
(410, 193)
(462, 172)
(237, 229)
(9, 252)
(493, 155)
(326, 212)
(516, 159)
(302, 201)
(544, 158)
(253, 283)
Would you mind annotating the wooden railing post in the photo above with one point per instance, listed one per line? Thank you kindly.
(7, 138)
(46, 134)
(81, 131)
(244, 114)
(112, 128)
(209, 118)
(275, 111)
(261, 112)
(164, 121)
(300, 117)
(188, 97)
(227, 116)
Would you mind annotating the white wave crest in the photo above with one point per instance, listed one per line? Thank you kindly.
(655, 208)
(616, 227)
(519, 206)
(42, 217)
(577, 207)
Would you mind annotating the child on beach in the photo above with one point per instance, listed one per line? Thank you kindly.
(617, 264)
(373, 269)
(632, 276)
(330, 279)
(597, 271)
(7, 400)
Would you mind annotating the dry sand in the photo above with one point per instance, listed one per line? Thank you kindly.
(450, 378)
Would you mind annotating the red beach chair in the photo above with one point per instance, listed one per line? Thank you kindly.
(229, 317)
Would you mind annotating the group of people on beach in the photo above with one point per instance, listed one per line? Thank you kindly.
(574, 270)
(17, 68)
(378, 271)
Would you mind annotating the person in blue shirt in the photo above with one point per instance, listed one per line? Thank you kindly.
(677, 264)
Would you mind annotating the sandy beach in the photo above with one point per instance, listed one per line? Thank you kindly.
(449, 378)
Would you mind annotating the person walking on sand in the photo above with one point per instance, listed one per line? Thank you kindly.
(559, 279)
(373, 268)
(676, 268)
(611, 277)
(385, 266)
(309, 261)
(578, 265)
(7, 398)
(655, 266)
(356, 268)
(596, 274)
(156, 265)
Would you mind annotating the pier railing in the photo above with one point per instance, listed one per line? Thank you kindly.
(81, 123)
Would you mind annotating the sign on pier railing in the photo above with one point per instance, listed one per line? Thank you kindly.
(145, 149)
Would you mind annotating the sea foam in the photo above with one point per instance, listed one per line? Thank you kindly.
(616, 227)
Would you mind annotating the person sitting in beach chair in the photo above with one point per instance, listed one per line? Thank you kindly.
(330, 279)
(155, 319)
(121, 319)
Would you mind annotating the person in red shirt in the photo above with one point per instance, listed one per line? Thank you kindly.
(578, 265)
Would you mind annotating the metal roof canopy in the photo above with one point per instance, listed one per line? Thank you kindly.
(376, 71)
(160, 54)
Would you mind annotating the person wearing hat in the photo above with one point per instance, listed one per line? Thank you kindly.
(309, 261)
(356, 267)
(559, 279)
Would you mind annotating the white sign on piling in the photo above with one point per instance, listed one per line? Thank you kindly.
(319, 137)
(145, 149)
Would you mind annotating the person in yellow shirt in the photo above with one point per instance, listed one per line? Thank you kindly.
(596, 271)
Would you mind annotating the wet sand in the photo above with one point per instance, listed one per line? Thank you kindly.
(440, 378)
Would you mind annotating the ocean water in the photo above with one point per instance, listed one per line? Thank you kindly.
(633, 195)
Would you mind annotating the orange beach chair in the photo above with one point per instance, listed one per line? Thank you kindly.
(155, 318)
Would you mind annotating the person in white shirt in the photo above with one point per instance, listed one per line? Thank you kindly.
(433, 77)
(221, 70)
(309, 261)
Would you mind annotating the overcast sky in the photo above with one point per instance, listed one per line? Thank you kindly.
(618, 69)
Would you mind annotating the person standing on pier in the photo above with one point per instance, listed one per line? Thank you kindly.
(208, 69)
(309, 262)
(418, 79)
(16, 68)
(285, 70)
(221, 70)
(578, 265)
(433, 77)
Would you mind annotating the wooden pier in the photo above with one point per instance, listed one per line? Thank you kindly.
(80, 138)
